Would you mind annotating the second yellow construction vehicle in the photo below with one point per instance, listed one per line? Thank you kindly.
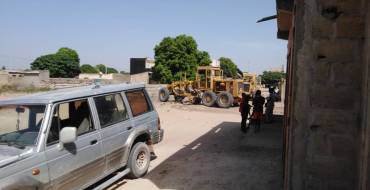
(250, 79)
(210, 88)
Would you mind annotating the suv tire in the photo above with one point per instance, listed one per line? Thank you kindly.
(139, 160)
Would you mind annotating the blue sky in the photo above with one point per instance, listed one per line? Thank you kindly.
(110, 32)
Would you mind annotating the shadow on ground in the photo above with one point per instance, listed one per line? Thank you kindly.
(225, 158)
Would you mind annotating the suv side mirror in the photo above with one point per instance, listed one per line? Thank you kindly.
(67, 135)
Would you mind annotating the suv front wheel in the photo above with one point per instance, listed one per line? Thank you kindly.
(139, 160)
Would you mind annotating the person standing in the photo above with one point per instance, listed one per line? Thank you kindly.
(244, 110)
(258, 102)
(270, 104)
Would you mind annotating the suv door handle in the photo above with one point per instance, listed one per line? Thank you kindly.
(93, 142)
(129, 128)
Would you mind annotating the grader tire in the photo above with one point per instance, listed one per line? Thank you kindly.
(164, 94)
(209, 98)
(225, 100)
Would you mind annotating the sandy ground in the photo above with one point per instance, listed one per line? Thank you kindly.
(204, 148)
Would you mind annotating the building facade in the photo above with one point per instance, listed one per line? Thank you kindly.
(20, 78)
(326, 130)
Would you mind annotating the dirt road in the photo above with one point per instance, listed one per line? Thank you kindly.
(204, 149)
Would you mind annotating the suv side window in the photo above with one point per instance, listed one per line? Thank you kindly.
(138, 102)
(111, 109)
(72, 114)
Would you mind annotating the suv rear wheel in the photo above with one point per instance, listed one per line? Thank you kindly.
(139, 160)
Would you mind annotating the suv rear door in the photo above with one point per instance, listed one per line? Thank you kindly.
(115, 127)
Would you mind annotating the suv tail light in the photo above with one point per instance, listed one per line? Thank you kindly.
(159, 124)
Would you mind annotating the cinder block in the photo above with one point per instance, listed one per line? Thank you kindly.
(350, 7)
(343, 147)
(313, 183)
(332, 97)
(341, 184)
(350, 27)
(331, 168)
(347, 73)
(322, 28)
(318, 144)
(334, 121)
(322, 72)
(337, 50)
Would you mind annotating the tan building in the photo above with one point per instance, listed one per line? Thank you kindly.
(327, 130)
(21, 78)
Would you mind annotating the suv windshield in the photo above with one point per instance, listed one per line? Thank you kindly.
(20, 124)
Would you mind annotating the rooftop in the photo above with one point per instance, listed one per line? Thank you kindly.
(69, 93)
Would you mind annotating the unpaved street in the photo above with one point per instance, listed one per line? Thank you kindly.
(204, 149)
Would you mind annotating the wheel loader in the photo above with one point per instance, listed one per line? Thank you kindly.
(210, 88)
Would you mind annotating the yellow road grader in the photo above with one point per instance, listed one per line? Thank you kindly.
(209, 88)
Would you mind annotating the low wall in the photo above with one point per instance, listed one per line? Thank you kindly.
(113, 76)
(141, 77)
(153, 89)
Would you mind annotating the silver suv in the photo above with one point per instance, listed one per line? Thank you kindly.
(72, 138)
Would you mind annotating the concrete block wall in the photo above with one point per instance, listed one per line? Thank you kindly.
(153, 90)
(141, 77)
(327, 102)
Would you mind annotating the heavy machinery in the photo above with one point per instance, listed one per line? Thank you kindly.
(250, 79)
(210, 87)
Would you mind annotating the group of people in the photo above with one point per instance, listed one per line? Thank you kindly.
(255, 118)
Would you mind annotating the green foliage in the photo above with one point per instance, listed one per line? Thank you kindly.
(176, 58)
(65, 63)
(104, 69)
(162, 74)
(111, 70)
(72, 54)
(86, 68)
(271, 77)
(229, 67)
(203, 58)
(101, 68)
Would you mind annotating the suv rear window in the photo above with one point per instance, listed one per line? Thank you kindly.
(111, 109)
(138, 102)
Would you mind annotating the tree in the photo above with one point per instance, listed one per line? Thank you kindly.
(72, 54)
(111, 70)
(229, 67)
(105, 70)
(203, 58)
(176, 58)
(3, 68)
(65, 63)
(86, 68)
(271, 77)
